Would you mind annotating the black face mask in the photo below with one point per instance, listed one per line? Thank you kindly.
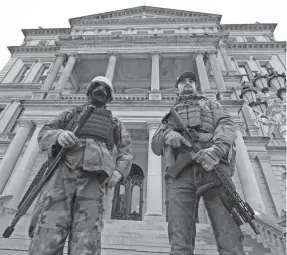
(99, 95)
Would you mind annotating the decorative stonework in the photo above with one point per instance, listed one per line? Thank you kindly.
(145, 11)
(256, 45)
(32, 49)
(197, 46)
(247, 27)
(178, 20)
(154, 95)
(47, 31)
(158, 37)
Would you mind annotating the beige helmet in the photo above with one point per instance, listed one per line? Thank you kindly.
(105, 82)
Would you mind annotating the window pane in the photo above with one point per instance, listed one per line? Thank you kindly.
(242, 70)
(135, 204)
(120, 204)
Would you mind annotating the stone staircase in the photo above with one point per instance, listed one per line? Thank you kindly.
(137, 237)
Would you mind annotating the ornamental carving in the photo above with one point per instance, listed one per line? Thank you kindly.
(256, 45)
(33, 49)
(169, 20)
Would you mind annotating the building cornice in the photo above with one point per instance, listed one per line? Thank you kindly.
(163, 20)
(32, 49)
(196, 47)
(256, 45)
(158, 37)
(248, 27)
(46, 31)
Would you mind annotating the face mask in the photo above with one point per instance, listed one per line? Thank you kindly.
(99, 95)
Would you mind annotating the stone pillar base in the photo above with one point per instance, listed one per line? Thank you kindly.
(209, 94)
(155, 217)
(54, 95)
(154, 95)
(39, 95)
(224, 95)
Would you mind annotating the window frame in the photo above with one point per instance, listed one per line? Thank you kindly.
(40, 73)
(248, 74)
(20, 78)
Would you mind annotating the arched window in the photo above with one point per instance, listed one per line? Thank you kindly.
(128, 196)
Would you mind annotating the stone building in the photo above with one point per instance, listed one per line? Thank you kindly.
(143, 50)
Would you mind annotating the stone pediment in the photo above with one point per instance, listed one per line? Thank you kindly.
(144, 12)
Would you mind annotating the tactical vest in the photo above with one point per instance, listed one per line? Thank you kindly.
(101, 126)
(195, 116)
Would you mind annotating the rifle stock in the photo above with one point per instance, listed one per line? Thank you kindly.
(22, 209)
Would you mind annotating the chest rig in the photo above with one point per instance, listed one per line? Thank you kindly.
(196, 114)
(100, 126)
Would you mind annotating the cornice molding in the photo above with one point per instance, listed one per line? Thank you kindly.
(47, 31)
(129, 21)
(256, 45)
(248, 27)
(32, 49)
(158, 37)
(198, 46)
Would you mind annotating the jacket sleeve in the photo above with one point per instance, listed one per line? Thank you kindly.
(124, 158)
(225, 129)
(48, 135)
(158, 140)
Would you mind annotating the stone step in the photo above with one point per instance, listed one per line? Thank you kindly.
(130, 238)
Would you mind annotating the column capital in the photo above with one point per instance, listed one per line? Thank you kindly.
(113, 53)
(26, 123)
(152, 53)
(73, 54)
(61, 54)
(222, 43)
(211, 52)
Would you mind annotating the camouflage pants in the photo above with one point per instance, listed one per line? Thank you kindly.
(71, 204)
(182, 210)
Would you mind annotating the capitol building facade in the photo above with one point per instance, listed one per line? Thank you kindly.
(143, 50)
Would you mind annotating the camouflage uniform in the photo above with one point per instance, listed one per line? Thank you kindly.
(214, 126)
(71, 203)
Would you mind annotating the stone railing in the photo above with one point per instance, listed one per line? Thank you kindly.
(272, 235)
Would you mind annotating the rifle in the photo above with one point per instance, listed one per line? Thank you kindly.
(24, 205)
(240, 210)
(186, 153)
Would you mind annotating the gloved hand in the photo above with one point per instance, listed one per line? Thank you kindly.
(175, 139)
(114, 179)
(208, 158)
(67, 139)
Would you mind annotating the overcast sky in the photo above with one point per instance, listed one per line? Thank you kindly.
(18, 14)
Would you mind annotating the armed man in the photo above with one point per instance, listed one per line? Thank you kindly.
(214, 132)
(71, 202)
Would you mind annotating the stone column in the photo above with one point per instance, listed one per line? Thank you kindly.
(61, 57)
(264, 161)
(18, 181)
(67, 72)
(219, 81)
(203, 77)
(10, 111)
(226, 59)
(247, 176)
(11, 156)
(154, 179)
(112, 65)
(155, 71)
